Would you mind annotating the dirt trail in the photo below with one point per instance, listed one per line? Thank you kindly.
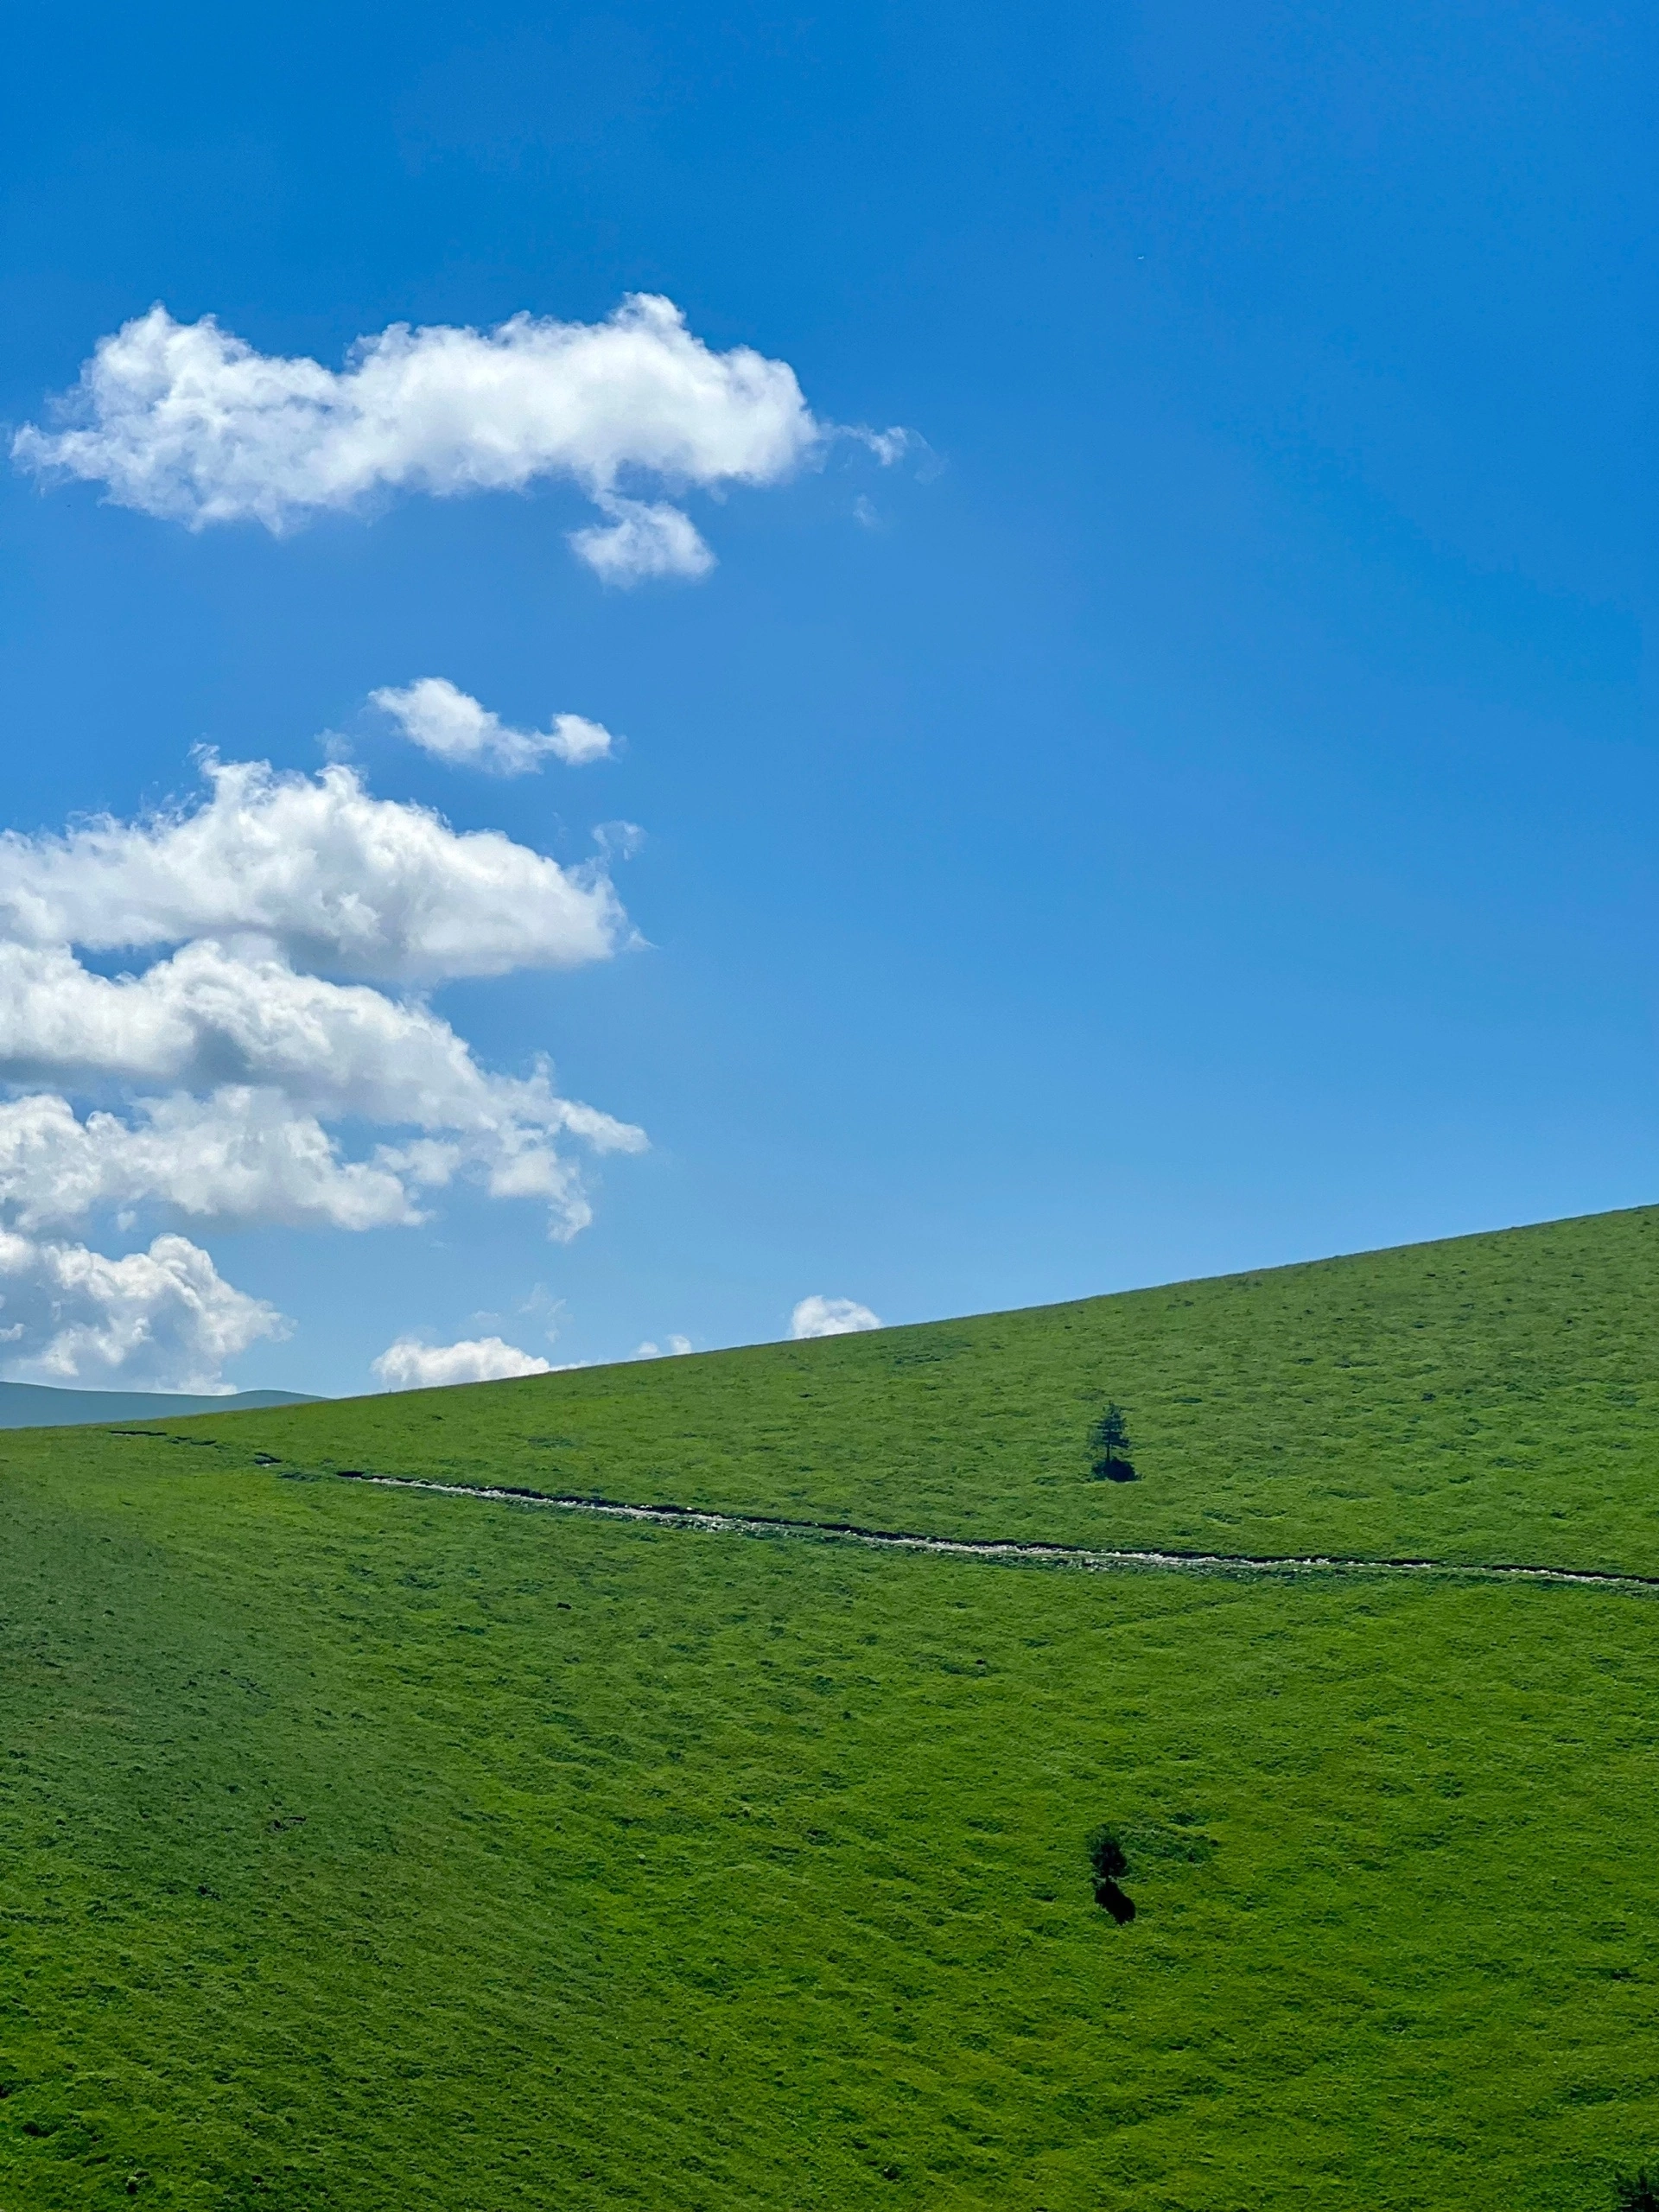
(1069, 1556)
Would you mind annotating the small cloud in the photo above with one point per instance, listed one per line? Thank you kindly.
(618, 840)
(577, 741)
(642, 538)
(409, 1364)
(831, 1317)
(542, 1305)
(443, 721)
(676, 1348)
(889, 446)
(865, 513)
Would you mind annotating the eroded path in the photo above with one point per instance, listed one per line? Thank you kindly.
(1058, 1555)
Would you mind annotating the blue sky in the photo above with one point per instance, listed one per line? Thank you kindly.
(1192, 809)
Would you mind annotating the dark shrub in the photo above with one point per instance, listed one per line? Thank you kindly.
(1106, 1857)
(1637, 2193)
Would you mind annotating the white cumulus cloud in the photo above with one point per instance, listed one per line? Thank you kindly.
(278, 1053)
(676, 1348)
(224, 1083)
(163, 1318)
(442, 720)
(337, 879)
(831, 1317)
(409, 1365)
(240, 1156)
(189, 422)
(204, 1015)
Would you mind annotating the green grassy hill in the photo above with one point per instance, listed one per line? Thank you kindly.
(372, 1848)
(1492, 1398)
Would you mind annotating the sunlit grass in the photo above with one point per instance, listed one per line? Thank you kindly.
(360, 1848)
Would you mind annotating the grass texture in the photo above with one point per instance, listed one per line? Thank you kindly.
(1495, 1398)
(364, 1849)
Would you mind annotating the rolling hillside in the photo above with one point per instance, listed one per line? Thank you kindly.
(375, 1847)
(1494, 1397)
(39, 1405)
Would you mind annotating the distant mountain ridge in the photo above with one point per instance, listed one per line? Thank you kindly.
(38, 1405)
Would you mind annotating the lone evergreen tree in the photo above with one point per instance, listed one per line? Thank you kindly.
(1108, 1440)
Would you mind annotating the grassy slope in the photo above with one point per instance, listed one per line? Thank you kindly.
(1492, 1398)
(361, 1850)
